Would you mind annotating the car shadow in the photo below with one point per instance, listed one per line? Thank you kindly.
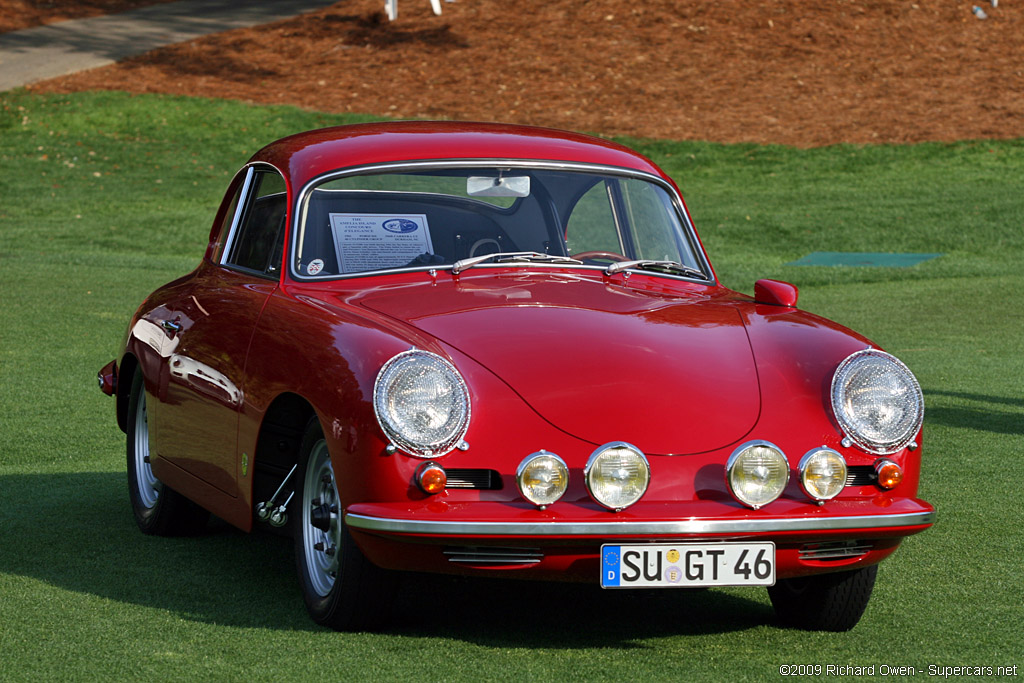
(996, 414)
(75, 531)
(509, 613)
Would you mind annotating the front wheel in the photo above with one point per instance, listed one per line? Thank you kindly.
(342, 589)
(158, 509)
(826, 602)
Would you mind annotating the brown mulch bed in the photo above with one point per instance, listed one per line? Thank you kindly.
(19, 14)
(780, 71)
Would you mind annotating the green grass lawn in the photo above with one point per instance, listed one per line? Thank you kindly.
(104, 196)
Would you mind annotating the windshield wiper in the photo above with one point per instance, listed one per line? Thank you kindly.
(511, 257)
(670, 267)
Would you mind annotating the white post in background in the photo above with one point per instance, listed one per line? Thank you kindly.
(391, 8)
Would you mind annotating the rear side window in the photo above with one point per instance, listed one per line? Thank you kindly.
(258, 239)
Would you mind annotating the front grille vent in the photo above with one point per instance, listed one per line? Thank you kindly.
(493, 555)
(840, 550)
(861, 475)
(488, 480)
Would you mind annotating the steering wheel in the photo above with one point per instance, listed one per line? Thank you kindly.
(609, 255)
(482, 245)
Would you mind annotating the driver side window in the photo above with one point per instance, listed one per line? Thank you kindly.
(259, 237)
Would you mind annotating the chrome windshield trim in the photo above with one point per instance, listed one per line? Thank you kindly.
(389, 167)
(685, 527)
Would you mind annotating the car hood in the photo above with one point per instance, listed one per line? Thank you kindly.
(670, 372)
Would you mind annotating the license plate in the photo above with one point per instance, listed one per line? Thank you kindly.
(687, 564)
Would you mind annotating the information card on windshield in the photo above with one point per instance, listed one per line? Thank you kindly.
(377, 241)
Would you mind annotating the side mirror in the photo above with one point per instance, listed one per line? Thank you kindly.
(776, 293)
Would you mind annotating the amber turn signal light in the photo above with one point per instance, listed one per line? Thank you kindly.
(889, 473)
(431, 478)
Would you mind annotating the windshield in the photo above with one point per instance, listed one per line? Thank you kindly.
(437, 217)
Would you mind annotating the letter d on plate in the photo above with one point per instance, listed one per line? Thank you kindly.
(609, 566)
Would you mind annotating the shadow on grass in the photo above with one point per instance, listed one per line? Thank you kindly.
(977, 411)
(512, 614)
(75, 531)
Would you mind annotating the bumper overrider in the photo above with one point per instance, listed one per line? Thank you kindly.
(469, 537)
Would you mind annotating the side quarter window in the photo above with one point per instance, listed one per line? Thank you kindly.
(592, 225)
(258, 240)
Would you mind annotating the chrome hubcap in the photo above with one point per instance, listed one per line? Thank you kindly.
(321, 525)
(145, 482)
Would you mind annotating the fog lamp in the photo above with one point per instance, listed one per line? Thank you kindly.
(889, 473)
(542, 478)
(617, 475)
(757, 472)
(822, 474)
(431, 478)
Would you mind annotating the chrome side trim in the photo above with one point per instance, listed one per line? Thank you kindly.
(686, 527)
(243, 200)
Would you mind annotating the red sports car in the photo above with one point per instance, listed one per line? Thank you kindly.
(501, 351)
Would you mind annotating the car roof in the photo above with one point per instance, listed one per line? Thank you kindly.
(305, 156)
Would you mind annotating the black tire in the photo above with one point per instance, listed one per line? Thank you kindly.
(826, 602)
(158, 509)
(342, 589)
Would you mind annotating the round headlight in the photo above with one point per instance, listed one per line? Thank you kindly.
(542, 478)
(877, 401)
(757, 473)
(617, 475)
(822, 473)
(422, 403)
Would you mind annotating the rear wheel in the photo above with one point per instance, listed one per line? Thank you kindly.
(342, 589)
(158, 509)
(826, 602)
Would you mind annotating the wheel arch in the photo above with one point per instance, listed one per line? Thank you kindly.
(125, 374)
(278, 444)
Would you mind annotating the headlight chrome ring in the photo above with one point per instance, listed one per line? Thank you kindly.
(822, 474)
(542, 478)
(422, 403)
(757, 473)
(877, 401)
(617, 475)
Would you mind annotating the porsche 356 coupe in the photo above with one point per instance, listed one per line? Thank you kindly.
(496, 350)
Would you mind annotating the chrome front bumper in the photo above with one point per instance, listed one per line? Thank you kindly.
(910, 522)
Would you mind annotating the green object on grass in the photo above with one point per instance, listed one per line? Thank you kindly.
(862, 259)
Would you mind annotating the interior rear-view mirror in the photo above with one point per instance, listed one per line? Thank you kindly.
(506, 186)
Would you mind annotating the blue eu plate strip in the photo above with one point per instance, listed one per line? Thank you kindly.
(610, 565)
